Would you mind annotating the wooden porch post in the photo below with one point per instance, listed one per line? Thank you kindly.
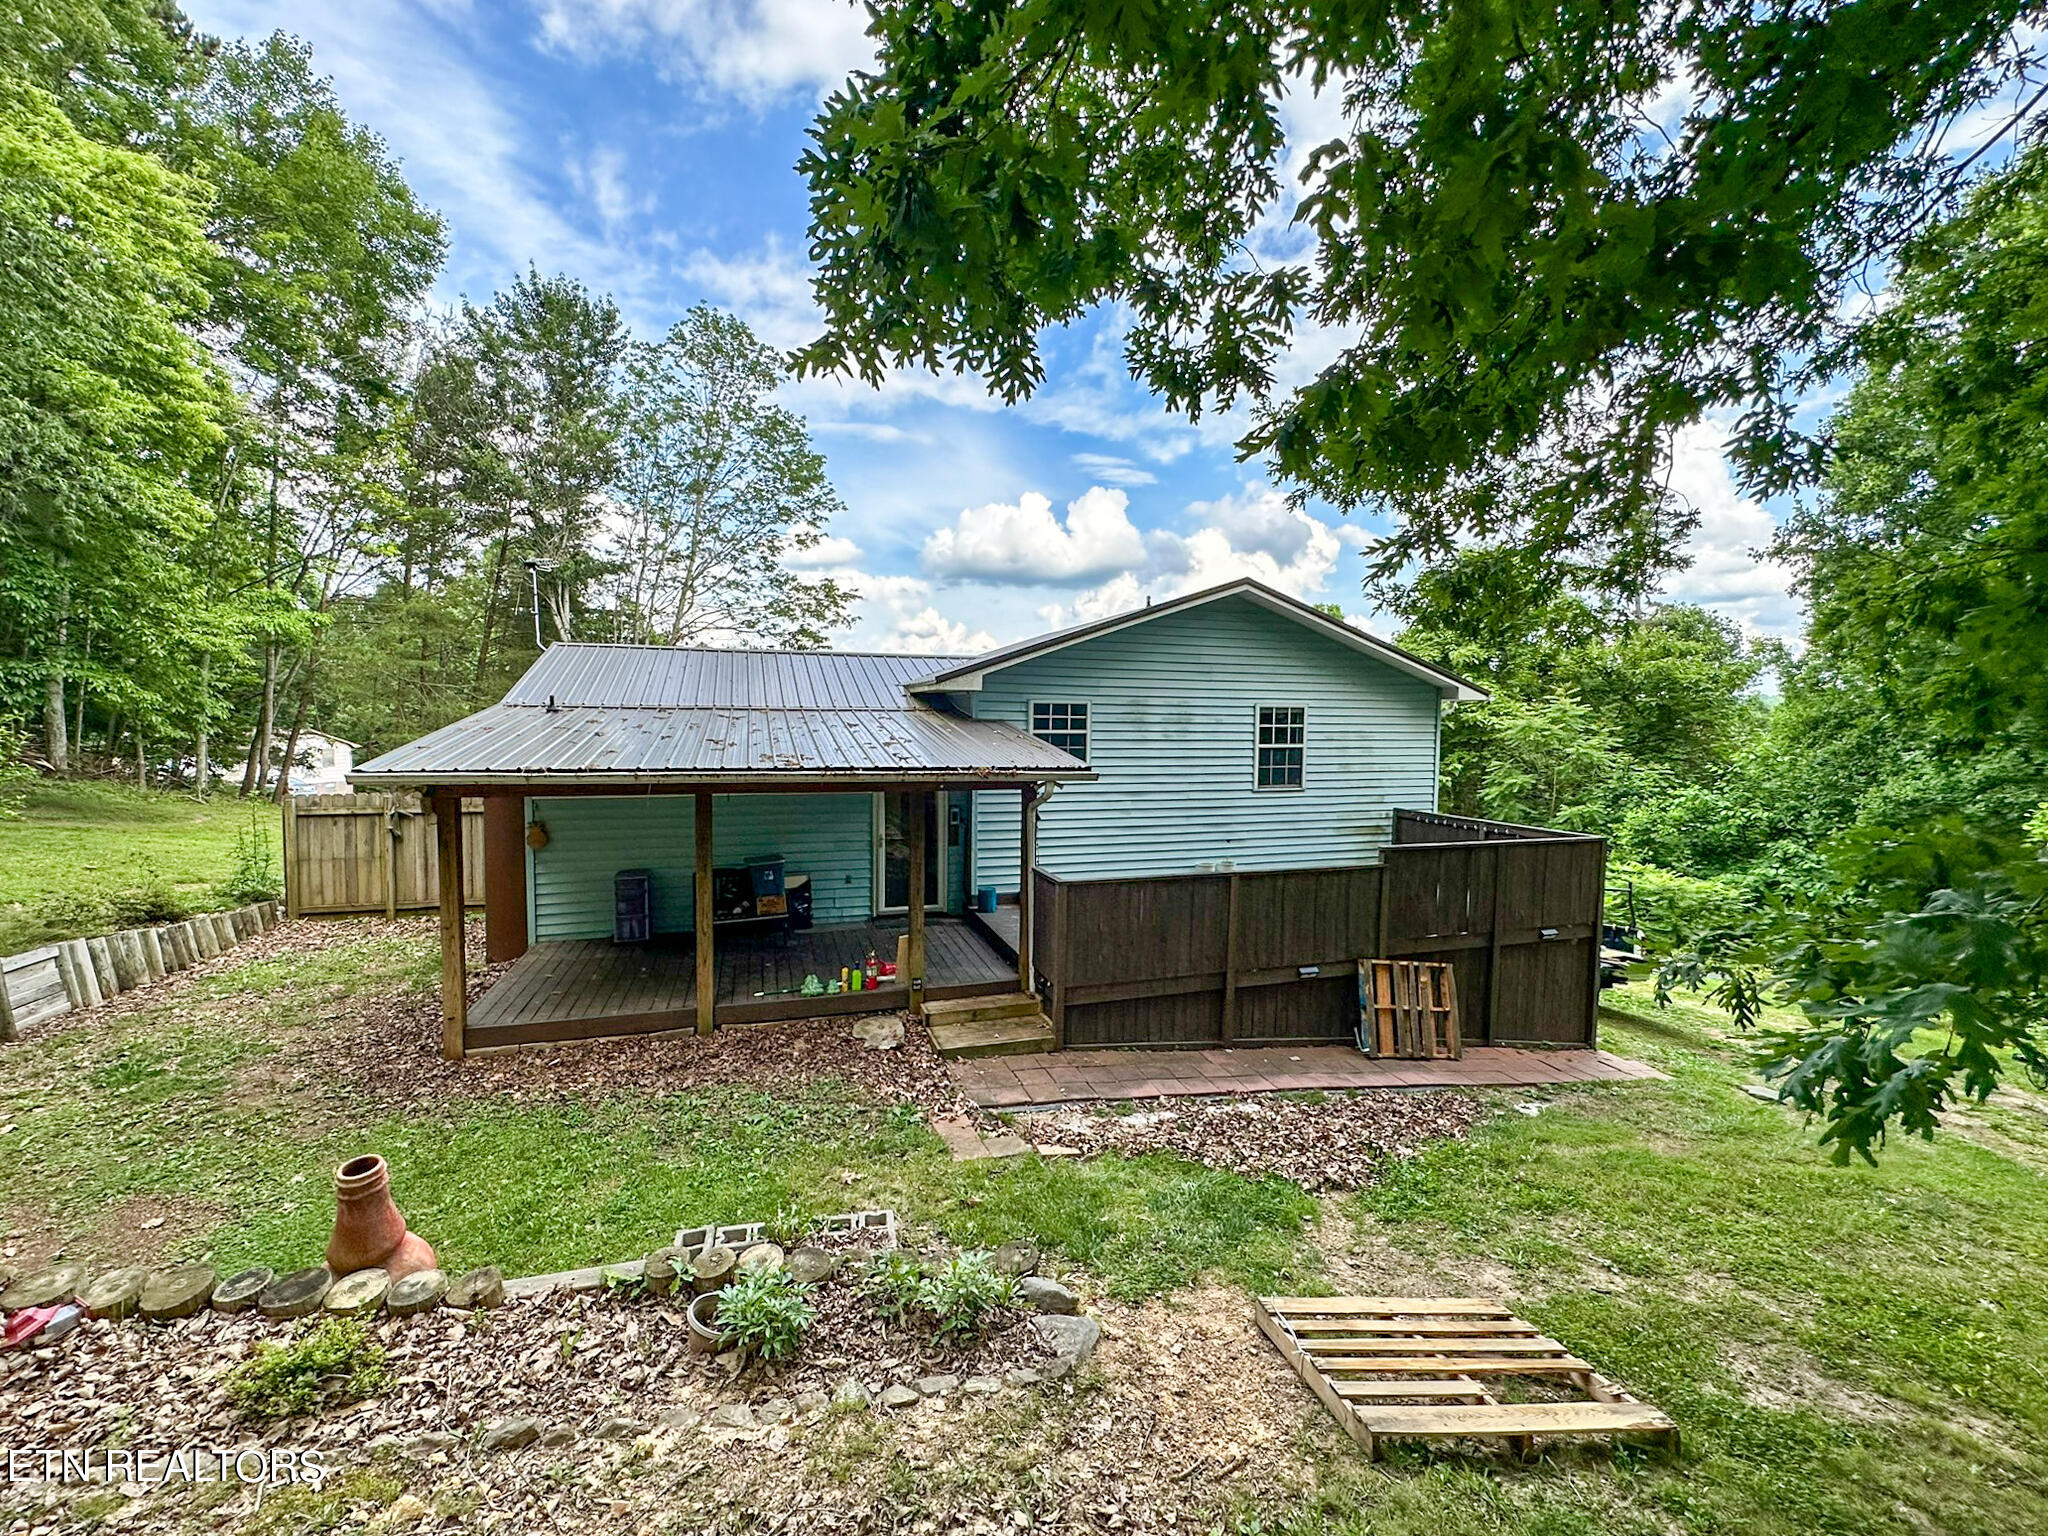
(504, 877)
(707, 967)
(920, 801)
(1027, 887)
(454, 974)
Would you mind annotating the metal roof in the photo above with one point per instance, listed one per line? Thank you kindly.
(966, 676)
(622, 715)
(668, 677)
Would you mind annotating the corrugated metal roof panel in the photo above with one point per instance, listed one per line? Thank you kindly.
(666, 677)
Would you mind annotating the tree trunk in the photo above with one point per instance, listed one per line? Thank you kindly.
(55, 746)
(141, 760)
(291, 742)
(254, 774)
(202, 768)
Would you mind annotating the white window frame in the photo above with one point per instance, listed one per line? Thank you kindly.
(1259, 745)
(1086, 733)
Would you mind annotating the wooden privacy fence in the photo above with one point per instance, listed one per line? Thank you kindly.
(371, 853)
(1271, 956)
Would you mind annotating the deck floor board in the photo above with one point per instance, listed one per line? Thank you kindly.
(582, 982)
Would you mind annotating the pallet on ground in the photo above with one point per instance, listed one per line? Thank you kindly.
(1427, 1367)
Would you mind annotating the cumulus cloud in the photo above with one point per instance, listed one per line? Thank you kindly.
(1729, 572)
(828, 553)
(1023, 541)
(898, 614)
(1253, 532)
(754, 51)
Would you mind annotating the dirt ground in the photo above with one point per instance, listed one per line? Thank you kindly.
(1184, 1410)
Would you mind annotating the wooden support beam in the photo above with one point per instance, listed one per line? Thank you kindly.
(504, 878)
(454, 973)
(707, 965)
(1027, 888)
(291, 857)
(920, 802)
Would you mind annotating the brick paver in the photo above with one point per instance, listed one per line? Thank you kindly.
(1065, 1077)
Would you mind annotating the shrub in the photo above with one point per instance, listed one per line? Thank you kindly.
(964, 1297)
(891, 1283)
(151, 900)
(766, 1313)
(336, 1361)
(1675, 910)
(255, 875)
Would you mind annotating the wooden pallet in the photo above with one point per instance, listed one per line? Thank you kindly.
(1408, 1009)
(1415, 1367)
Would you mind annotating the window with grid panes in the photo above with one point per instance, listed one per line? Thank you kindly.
(1282, 736)
(1062, 725)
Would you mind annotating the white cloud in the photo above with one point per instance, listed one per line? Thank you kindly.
(1022, 541)
(1252, 533)
(754, 51)
(1108, 469)
(897, 614)
(1729, 572)
(829, 552)
(602, 179)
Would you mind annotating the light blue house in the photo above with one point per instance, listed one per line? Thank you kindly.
(1231, 729)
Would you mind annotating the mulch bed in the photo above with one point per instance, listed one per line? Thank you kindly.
(1337, 1143)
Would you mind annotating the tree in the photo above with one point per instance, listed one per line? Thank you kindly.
(1544, 280)
(107, 407)
(546, 354)
(1922, 969)
(320, 254)
(718, 484)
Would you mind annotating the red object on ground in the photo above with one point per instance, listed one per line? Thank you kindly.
(369, 1233)
(27, 1323)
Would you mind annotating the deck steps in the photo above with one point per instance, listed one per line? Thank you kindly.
(1007, 1035)
(974, 1010)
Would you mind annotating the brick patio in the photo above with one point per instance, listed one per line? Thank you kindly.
(1065, 1077)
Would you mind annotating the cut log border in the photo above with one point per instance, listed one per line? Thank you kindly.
(74, 974)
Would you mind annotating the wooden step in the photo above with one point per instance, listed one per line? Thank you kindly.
(967, 1010)
(1519, 1419)
(1007, 1036)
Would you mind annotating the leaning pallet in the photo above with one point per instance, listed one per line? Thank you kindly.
(1408, 1009)
(1417, 1367)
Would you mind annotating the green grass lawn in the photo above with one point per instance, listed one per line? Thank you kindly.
(84, 858)
(1848, 1351)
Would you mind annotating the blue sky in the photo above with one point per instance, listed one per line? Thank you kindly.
(646, 147)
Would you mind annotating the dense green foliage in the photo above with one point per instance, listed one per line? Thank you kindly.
(1553, 233)
(330, 1361)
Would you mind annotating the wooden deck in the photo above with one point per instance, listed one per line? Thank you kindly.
(583, 989)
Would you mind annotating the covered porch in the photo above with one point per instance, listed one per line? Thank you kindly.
(585, 988)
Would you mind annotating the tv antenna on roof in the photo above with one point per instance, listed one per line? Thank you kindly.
(533, 570)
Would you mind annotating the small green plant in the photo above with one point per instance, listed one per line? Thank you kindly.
(964, 1297)
(890, 1282)
(789, 1226)
(150, 900)
(254, 876)
(336, 1361)
(15, 775)
(766, 1313)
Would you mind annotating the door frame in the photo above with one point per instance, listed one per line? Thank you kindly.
(935, 847)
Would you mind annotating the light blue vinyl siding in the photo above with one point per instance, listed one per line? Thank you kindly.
(1172, 720)
(590, 839)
